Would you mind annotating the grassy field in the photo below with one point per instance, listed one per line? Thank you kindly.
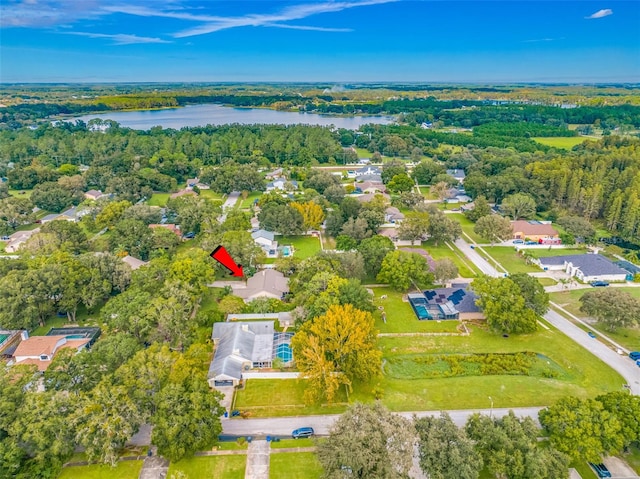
(301, 465)
(401, 318)
(509, 259)
(304, 246)
(158, 199)
(220, 467)
(21, 193)
(123, 470)
(570, 300)
(212, 195)
(566, 143)
(248, 201)
(580, 374)
(547, 281)
(633, 458)
(467, 226)
(282, 397)
(466, 269)
(549, 252)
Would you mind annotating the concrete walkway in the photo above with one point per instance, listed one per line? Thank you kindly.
(229, 203)
(258, 460)
(154, 467)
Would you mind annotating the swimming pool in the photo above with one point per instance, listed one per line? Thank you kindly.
(286, 251)
(76, 336)
(3, 337)
(421, 311)
(284, 352)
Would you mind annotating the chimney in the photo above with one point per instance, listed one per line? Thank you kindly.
(24, 334)
(245, 328)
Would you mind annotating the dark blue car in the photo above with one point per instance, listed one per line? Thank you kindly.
(302, 432)
(635, 355)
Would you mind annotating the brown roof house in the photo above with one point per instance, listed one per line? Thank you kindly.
(535, 231)
(40, 350)
(267, 283)
(169, 226)
(94, 195)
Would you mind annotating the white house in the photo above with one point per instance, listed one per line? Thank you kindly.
(17, 239)
(267, 241)
(393, 215)
(585, 267)
(239, 346)
(392, 234)
(458, 174)
(282, 184)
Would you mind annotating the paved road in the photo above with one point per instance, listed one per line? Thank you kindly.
(229, 203)
(481, 263)
(627, 368)
(623, 364)
(282, 426)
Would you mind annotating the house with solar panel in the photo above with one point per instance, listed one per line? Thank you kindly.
(457, 302)
(243, 345)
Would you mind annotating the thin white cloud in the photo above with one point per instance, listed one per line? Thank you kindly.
(120, 38)
(600, 14)
(307, 27)
(540, 40)
(210, 23)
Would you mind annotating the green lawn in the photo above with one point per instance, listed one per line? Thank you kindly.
(466, 269)
(467, 227)
(570, 300)
(285, 443)
(83, 318)
(281, 397)
(580, 374)
(210, 194)
(633, 458)
(123, 470)
(509, 259)
(21, 193)
(248, 201)
(401, 318)
(303, 246)
(219, 467)
(158, 199)
(566, 143)
(547, 281)
(549, 252)
(583, 469)
(300, 465)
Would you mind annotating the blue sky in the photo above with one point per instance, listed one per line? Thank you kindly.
(322, 41)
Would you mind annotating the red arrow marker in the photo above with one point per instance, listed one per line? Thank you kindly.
(221, 255)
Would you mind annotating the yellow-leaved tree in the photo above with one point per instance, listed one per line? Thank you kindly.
(336, 348)
(311, 213)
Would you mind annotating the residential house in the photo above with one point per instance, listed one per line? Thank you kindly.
(267, 241)
(456, 302)
(17, 239)
(184, 192)
(540, 231)
(272, 175)
(73, 214)
(9, 340)
(282, 184)
(243, 346)
(393, 215)
(392, 234)
(169, 226)
(94, 195)
(197, 183)
(458, 174)
(367, 197)
(134, 263)
(267, 283)
(369, 187)
(40, 350)
(369, 173)
(585, 267)
(51, 217)
(458, 195)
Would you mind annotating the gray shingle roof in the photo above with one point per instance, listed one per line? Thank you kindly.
(464, 299)
(240, 342)
(589, 264)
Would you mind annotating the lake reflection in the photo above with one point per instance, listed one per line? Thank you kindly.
(209, 114)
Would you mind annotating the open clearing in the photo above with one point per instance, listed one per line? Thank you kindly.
(220, 467)
(300, 465)
(564, 142)
(303, 246)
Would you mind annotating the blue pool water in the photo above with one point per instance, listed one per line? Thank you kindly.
(421, 312)
(284, 352)
(76, 336)
(286, 251)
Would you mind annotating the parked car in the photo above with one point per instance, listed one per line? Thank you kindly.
(635, 355)
(531, 242)
(597, 284)
(189, 235)
(591, 334)
(302, 432)
(5, 238)
(601, 470)
(638, 363)
(518, 241)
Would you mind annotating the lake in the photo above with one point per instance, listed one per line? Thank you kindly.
(209, 114)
